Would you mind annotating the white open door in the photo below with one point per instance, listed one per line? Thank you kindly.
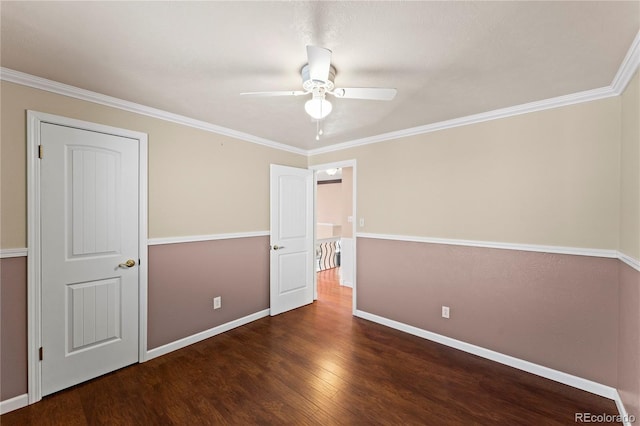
(292, 250)
(89, 254)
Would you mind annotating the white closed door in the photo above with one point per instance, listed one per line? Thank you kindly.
(89, 230)
(291, 238)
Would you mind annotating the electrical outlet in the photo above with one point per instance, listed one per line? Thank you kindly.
(361, 222)
(217, 302)
(445, 312)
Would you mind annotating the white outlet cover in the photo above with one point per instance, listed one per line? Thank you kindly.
(217, 302)
(445, 312)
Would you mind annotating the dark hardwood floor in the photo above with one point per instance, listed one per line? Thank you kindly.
(315, 365)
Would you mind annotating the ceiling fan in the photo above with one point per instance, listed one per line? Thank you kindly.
(317, 79)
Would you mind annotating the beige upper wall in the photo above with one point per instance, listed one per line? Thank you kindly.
(630, 170)
(329, 203)
(199, 182)
(549, 178)
(334, 203)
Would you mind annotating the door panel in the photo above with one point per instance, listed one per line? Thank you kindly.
(291, 238)
(93, 313)
(89, 227)
(94, 220)
(291, 268)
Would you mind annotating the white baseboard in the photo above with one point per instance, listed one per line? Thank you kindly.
(558, 376)
(179, 344)
(626, 419)
(529, 367)
(14, 403)
(23, 400)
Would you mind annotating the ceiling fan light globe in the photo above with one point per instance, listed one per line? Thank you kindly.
(318, 108)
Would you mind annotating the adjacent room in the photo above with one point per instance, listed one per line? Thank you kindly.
(320, 212)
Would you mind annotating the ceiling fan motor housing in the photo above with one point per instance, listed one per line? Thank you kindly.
(309, 85)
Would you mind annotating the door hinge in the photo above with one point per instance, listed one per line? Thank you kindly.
(40, 353)
(40, 151)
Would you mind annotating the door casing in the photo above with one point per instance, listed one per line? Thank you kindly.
(34, 119)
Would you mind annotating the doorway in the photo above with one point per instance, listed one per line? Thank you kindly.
(335, 189)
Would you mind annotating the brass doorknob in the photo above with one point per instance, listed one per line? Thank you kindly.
(128, 264)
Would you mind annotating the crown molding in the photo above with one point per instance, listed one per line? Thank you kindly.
(32, 81)
(629, 66)
(627, 69)
(560, 101)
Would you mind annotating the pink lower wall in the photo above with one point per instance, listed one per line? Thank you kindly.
(13, 327)
(184, 279)
(559, 311)
(629, 339)
(576, 314)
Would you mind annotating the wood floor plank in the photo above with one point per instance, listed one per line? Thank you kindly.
(316, 365)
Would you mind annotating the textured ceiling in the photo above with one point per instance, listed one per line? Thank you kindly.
(447, 59)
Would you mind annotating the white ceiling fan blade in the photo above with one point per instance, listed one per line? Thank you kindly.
(319, 63)
(280, 93)
(371, 93)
